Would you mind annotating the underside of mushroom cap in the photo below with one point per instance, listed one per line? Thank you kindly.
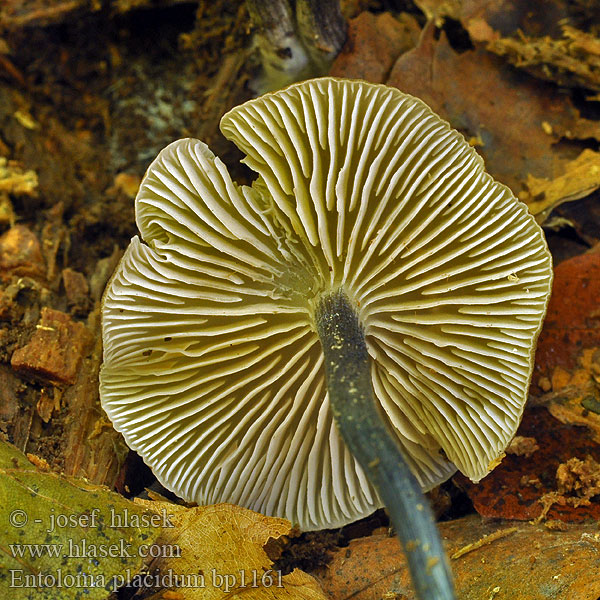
(213, 369)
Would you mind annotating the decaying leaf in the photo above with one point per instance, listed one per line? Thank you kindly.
(539, 37)
(514, 120)
(220, 554)
(555, 564)
(373, 45)
(489, 101)
(63, 538)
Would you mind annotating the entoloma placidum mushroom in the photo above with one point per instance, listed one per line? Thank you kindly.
(374, 280)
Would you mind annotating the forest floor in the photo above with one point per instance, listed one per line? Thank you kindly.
(90, 92)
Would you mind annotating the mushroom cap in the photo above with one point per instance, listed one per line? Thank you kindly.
(213, 369)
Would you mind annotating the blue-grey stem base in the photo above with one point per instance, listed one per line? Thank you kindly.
(348, 374)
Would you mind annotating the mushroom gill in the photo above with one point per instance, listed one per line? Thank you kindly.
(213, 367)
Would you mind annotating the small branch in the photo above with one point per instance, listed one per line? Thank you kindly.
(484, 541)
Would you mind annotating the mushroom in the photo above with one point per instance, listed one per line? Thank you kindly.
(373, 274)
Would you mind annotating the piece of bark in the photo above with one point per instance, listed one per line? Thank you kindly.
(54, 352)
(9, 403)
(92, 448)
(54, 234)
(572, 322)
(76, 290)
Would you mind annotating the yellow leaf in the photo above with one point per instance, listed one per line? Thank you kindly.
(220, 554)
(63, 538)
(581, 178)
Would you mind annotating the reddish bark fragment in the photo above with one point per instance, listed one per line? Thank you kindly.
(76, 289)
(55, 350)
(9, 405)
(572, 322)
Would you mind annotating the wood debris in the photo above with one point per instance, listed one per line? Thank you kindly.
(573, 60)
(484, 541)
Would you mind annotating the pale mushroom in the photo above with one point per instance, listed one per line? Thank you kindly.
(366, 205)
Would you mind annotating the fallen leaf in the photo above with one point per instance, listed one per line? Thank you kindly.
(219, 553)
(569, 57)
(374, 43)
(63, 538)
(528, 562)
(486, 99)
(508, 17)
(581, 177)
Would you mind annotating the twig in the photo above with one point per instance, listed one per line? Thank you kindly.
(484, 541)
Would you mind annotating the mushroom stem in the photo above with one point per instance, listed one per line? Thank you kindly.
(348, 375)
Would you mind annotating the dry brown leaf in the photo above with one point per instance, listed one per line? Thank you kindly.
(223, 547)
(526, 562)
(581, 178)
(515, 121)
(488, 100)
(374, 43)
